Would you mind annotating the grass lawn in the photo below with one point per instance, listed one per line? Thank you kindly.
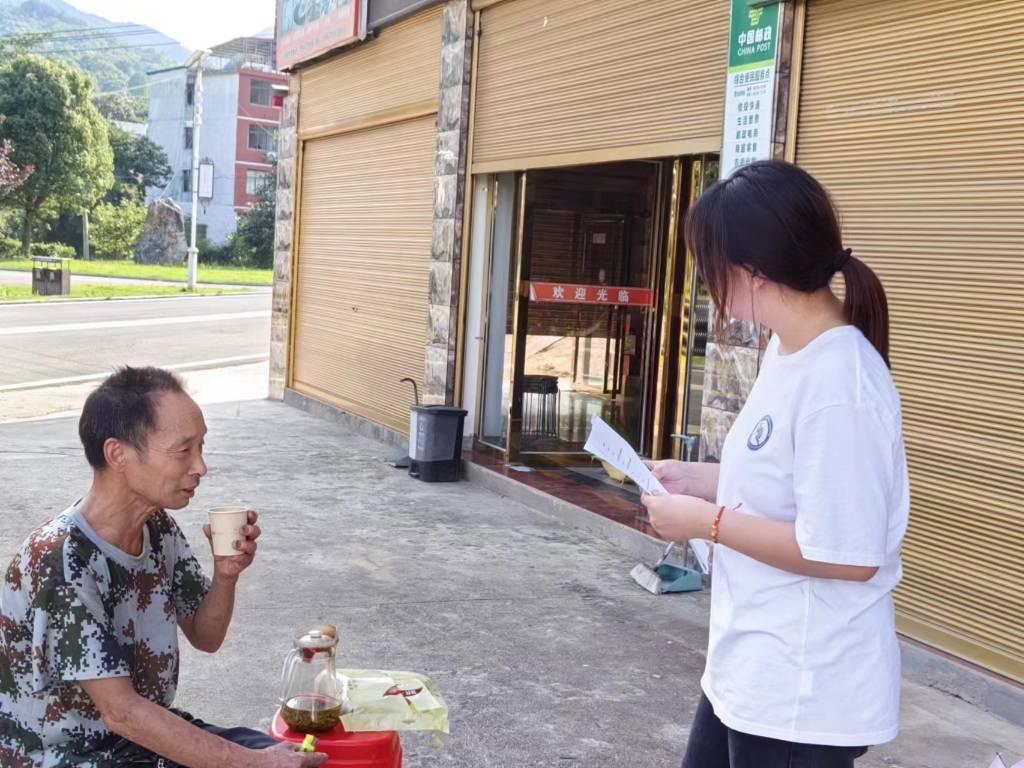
(207, 274)
(87, 291)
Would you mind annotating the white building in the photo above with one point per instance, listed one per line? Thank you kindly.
(241, 112)
(136, 129)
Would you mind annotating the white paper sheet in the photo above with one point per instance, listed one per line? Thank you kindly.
(605, 443)
(608, 445)
(998, 763)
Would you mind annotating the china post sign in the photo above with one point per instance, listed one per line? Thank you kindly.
(308, 28)
(750, 85)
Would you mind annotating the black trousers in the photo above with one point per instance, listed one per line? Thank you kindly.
(713, 745)
(125, 753)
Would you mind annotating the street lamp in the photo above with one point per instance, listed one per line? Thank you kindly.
(195, 61)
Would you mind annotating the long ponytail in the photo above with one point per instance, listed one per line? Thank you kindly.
(865, 304)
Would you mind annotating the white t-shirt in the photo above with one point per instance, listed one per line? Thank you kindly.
(819, 442)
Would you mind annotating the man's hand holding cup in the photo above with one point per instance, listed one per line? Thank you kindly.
(232, 532)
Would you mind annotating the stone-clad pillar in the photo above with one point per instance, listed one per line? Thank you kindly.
(287, 167)
(734, 352)
(449, 197)
(730, 367)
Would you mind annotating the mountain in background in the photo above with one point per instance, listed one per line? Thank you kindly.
(116, 55)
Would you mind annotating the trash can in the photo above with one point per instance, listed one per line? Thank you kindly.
(51, 276)
(435, 443)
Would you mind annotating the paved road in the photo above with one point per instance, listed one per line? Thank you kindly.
(44, 345)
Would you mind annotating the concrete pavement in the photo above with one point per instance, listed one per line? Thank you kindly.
(548, 654)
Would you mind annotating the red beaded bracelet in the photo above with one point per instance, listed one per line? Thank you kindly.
(716, 523)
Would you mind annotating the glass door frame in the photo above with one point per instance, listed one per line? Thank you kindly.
(519, 318)
(699, 182)
(669, 279)
(480, 442)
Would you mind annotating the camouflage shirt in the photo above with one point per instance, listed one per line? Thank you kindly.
(74, 607)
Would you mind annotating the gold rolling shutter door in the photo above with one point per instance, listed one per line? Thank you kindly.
(911, 113)
(382, 80)
(564, 82)
(365, 222)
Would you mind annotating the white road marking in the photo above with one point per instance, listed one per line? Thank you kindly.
(220, 362)
(136, 323)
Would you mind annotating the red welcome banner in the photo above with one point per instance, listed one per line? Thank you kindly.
(568, 293)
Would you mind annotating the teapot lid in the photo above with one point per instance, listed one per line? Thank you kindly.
(322, 638)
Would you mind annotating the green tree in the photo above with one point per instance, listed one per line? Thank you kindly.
(255, 231)
(138, 164)
(115, 229)
(55, 128)
(11, 174)
(16, 45)
(122, 106)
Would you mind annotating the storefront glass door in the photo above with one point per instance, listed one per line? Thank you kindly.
(587, 274)
(593, 308)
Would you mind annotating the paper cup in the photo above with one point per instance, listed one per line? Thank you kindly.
(226, 523)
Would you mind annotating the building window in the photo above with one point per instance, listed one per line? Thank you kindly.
(186, 182)
(255, 181)
(261, 138)
(201, 229)
(190, 91)
(188, 137)
(259, 93)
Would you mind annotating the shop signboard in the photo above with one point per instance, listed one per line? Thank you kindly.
(309, 28)
(568, 293)
(750, 85)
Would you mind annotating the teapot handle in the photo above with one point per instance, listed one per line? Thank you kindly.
(286, 675)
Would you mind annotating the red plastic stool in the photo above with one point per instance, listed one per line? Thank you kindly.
(378, 749)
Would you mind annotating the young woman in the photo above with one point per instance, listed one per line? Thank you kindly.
(810, 502)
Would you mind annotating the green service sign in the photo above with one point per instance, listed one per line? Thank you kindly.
(755, 32)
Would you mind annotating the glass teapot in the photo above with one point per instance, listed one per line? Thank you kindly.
(310, 692)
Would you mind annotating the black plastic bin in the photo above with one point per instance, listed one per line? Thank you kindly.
(435, 443)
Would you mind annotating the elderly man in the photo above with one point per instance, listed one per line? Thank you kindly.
(92, 604)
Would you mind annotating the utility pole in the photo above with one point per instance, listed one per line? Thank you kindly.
(197, 120)
(85, 234)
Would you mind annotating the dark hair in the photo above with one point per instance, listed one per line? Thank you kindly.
(123, 408)
(777, 221)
